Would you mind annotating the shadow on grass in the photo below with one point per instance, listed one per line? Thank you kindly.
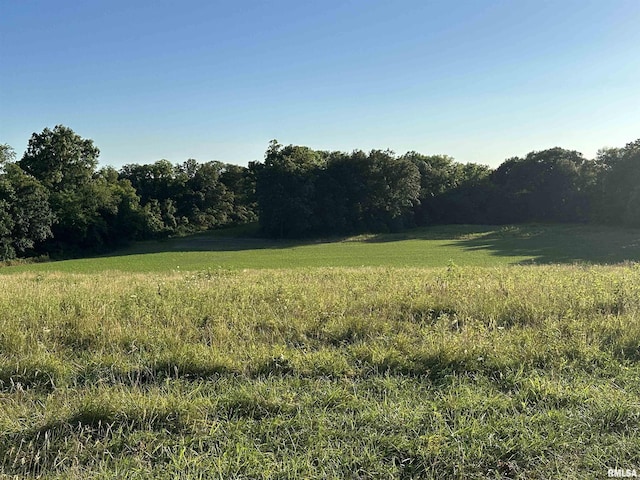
(225, 240)
(543, 244)
(212, 243)
(552, 244)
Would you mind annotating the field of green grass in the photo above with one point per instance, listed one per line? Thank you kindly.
(447, 355)
(464, 245)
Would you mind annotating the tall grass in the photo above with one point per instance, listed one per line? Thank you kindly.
(506, 372)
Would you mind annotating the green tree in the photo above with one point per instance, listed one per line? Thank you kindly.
(123, 218)
(549, 185)
(91, 208)
(450, 192)
(60, 159)
(468, 197)
(193, 196)
(25, 215)
(617, 194)
(7, 153)
(65, 163)
(393, 188)
(241, 182)
(161, 186)
(285, 189)
(205, 200)
(437, 176)
(305, 192)
(160, 180)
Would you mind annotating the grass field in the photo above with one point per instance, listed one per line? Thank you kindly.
(464, 245)
(409, 367)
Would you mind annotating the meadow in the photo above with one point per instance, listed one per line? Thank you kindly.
(438, 246)
(453, 352)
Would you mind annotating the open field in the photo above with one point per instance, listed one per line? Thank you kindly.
(464, 245)
(505, 371)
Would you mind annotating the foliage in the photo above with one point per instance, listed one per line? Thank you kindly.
(437, 176)
(123, 217)
(302, 192)
(298, 192)
(543, 186)
(285, 190)
(378, 192)
(96, 210)
(618, 182)
(7, 153)
(25, 215)
(60, 159)
(86, 203)
(192, 196)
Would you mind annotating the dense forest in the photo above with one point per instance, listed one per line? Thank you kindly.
(55, 200)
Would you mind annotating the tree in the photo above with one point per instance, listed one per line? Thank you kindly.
(548, 185)
(206, 201)
(285, 189)
(60, 159)
(437, 176)
(241, 182)
(161, 186)
(25, 215)
(64, 163)
(393, 187)
(91, 208)
(7, 154)
(617, 193)
(193, 196)
(303, 192)
(122, 217)
(468, 197)
(334, 206)
(450, 192)
(160, 180)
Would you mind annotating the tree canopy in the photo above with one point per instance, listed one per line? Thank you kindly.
(25, 214)
(55, 200)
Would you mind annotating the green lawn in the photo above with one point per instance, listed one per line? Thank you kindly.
(465, 245)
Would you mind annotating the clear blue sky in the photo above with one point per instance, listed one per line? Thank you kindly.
(479, 80)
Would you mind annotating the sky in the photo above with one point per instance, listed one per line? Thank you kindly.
(479, 80)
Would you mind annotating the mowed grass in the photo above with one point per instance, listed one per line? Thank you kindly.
(377, 372)
(426, 247)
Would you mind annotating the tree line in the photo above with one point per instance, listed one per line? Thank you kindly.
(55, 200)
(302, 192)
